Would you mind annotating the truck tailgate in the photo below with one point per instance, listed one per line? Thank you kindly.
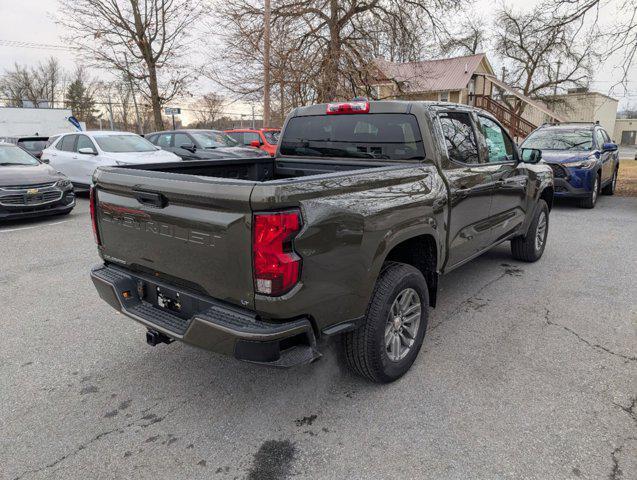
(191, 231)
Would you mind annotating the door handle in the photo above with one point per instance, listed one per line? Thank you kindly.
(152, 199)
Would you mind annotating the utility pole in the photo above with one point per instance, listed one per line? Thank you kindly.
(266, 64)
(253, 126)
(130, 83)
(557, 76)
(504, 71)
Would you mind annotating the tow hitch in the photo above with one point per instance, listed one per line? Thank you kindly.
(153, 337)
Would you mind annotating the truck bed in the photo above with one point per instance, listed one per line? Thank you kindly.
(258, 169)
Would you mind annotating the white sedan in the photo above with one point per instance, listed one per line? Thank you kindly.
(77, 155)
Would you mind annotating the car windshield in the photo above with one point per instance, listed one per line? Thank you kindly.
(560, 139)
(272, 136)
(213, 139)
(124, 143)
(379, 136)
(12, 155)
(34, 145)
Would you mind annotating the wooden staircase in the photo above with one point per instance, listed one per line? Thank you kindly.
(518, 127)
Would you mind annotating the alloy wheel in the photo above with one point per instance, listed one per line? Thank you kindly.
(402, 324)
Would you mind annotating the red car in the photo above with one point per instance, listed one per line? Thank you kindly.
(262, 138)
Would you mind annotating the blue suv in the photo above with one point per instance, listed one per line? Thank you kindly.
(583, 158)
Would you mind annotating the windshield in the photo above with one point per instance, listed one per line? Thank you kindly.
(12, 155)
(124, 143)
(213, 139)
(380, 136)
(272, 136)
(560, 139)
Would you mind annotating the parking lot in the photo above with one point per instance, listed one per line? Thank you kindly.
(527, 371)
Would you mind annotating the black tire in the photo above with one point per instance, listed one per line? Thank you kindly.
(610, 188)
(591, 199)
(527, 248)
(365, 348)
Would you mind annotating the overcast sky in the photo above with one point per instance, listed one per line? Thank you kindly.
(32, 21)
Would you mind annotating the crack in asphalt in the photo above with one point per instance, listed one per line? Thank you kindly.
(630, 410)
(616, 472)
(154, 419)
(585, 341)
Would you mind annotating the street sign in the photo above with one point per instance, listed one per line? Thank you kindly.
(172, 111)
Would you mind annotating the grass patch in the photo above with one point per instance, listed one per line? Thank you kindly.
(627, 179)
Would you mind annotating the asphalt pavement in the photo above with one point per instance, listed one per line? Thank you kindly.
(528, 371)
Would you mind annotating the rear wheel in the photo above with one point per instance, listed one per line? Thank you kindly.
(590, 200)
(610, 188)
(531, 247)
(386, 345)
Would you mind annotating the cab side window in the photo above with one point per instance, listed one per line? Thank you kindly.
(599, 138)
(163, 140)
(182, 139)
(249, 137)
(499, 144)
(84, 142)
(67, 143)
(459, 137)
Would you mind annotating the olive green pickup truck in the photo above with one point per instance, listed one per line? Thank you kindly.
(344, 233)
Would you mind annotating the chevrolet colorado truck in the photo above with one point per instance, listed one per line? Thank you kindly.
(344, 232)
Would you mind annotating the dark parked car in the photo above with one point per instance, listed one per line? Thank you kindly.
(202, 145)
(584, 160)
(344, 232)
(34, 145)
(31, 188)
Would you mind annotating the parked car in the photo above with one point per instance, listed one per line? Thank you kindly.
(264, 138)
(584, 160)
(29, 187)
(200, 144)
(33, 144)
(77, 155)
(345, 232)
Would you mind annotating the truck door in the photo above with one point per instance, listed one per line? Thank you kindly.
(471, 185)
(509, 201)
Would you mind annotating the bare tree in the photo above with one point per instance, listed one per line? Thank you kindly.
(37, 86)
(208, 109)
(142, 39)
(538, 59)
(468, 38)
(619, 37)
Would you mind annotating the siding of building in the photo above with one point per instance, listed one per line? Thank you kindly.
(587, 107)
(625, 125)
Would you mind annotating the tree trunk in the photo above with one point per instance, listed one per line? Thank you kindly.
(329, 87)
(155, 101)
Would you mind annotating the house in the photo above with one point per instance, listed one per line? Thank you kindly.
(469, 79)
(582, 105)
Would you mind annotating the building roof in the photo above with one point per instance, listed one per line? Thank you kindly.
(431, 75)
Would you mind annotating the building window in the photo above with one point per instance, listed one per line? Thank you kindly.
(443, 96)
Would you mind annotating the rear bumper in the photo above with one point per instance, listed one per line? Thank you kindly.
(212, 325)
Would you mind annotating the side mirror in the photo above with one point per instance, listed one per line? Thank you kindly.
(609, 147)
(255, 143)
(531, 155)
(189, 146)
(44, 160)
(87, 151)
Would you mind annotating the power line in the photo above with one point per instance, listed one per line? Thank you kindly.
(37, 46)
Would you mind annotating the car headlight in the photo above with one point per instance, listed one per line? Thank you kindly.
(588, 163)
(64, 183)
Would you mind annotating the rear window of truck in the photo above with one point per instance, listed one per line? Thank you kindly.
(392, 136)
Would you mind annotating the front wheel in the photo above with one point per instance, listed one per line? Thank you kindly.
(591, 199)
(386, 345)
(530, 247)
(610, 188)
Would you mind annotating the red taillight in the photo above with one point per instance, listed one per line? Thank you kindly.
(92, 207)
(276, 266)
(347, 107)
